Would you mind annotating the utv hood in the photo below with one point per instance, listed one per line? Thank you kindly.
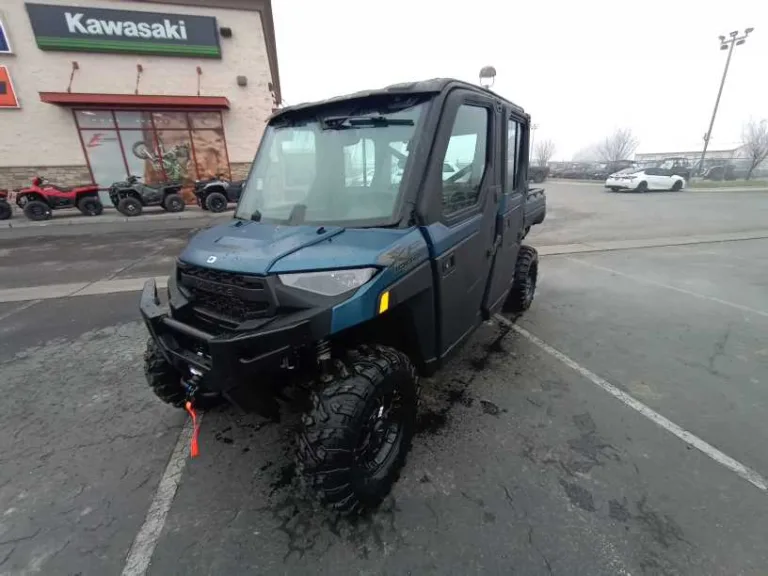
(258, 248)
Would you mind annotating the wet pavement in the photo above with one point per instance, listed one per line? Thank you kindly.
(521, 465)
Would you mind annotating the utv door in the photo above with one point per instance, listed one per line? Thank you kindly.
(463, 208)
(509, 224)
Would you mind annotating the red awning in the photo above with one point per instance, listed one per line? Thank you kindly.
(135, 100)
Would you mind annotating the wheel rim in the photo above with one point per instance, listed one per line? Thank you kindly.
(130, 207)
(37, 211)
(218, 204)
(381, 433)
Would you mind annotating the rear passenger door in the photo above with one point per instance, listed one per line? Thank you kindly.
(509, 221)
(656, 180)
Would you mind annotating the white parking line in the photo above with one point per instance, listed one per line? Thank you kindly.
(670, 287)
(100, 287)
(740, 469)
(140, 555)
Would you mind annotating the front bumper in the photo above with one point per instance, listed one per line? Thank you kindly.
(228, 359)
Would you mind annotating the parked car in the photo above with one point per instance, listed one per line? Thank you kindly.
(576, 173)
(131, 196)
(645, 180)
(216, 193)
(42, 197)
(600, 172)
(725, 172)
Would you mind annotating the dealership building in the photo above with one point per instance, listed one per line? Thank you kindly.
(96, 90)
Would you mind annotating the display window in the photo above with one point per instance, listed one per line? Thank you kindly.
(158, 146)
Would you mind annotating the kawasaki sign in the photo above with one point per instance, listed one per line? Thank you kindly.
(104, 30)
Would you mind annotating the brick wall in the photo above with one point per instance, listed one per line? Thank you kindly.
(240, 170)
(42, 131)
(21, 176)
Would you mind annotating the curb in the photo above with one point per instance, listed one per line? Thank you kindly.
(614, 245)
(80, 220)
(726, 189)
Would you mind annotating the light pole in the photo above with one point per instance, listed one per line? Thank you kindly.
(725, 44)
(534, 127)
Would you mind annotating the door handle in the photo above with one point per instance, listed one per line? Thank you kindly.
(449, 264)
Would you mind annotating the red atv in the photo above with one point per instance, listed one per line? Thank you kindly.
(5, 207)
(38, 200)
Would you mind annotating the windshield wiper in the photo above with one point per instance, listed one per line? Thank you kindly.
(347, 122)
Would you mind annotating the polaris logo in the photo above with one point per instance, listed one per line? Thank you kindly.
(76, 24)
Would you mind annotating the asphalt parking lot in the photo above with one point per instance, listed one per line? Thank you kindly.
(617, 428)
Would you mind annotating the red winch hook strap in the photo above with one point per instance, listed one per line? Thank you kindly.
(194, 450)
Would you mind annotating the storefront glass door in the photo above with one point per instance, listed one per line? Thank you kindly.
(159, 147)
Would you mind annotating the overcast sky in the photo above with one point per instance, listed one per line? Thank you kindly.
(581, 68)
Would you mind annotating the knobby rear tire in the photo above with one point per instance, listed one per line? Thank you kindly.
(524, 286)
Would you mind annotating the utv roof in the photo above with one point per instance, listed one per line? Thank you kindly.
(433, 86)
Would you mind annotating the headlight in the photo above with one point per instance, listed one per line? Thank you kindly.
(329, 283)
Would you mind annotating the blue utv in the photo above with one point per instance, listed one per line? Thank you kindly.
(374, 233)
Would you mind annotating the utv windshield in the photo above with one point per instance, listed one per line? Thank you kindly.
(338, 168)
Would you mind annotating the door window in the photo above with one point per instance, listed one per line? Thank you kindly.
(105, 157)
(513, 155)
(467, 152)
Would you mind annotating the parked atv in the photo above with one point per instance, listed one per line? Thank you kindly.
(42, 197)
(678, 166)
(215, 193)
(5, 207)
(340, 294)
(131, 196)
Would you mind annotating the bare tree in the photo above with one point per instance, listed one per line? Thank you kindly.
(754, 137)
(544, 152)
(618, 146)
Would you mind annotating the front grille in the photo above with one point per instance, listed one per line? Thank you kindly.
(222, 277)
(230, 307)
(237, 297)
